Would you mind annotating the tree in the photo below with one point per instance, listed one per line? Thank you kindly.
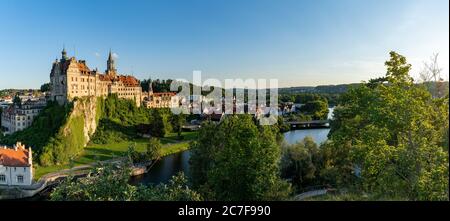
(17, 100)
(45, 87)
(318, 109)
(153, 150)
(431, 77)
(237, 160)
(110, 183)
(394, 133)
(178, 120)
(301, 162)
(158, 128)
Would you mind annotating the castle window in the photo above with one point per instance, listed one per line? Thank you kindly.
(2, 178)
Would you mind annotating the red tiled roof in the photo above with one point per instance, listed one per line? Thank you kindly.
(14, 158)
(129, 81)
(160, 94)
(105, 77)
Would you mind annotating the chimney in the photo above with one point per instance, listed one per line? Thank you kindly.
(30, 156)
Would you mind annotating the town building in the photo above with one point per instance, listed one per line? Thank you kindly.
(18, 117)
(5, 102)
(16, 165)
(160, 99)
(71, 78)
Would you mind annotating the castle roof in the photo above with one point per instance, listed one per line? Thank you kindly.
(129, 81)
(80, 65)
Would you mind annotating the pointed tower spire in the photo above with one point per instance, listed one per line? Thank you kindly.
(150, 90)
(111, 68)
(64, 54)
(150, 87)
(110, 55)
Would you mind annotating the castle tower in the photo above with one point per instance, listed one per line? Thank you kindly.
(111, 67)
(64, 55)
(150, 88)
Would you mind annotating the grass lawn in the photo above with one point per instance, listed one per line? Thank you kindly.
(100, 152)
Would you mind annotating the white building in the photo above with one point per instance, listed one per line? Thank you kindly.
(16, 118)
(16, 165)
(5, 102)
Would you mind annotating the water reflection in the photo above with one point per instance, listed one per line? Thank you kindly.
(164, 169)
(318, 135)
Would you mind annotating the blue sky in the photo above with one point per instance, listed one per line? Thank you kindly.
(299, 42)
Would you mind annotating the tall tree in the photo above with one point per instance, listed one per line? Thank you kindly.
(395, 133)
(237, 160)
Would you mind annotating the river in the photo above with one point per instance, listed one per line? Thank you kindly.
(170, 165)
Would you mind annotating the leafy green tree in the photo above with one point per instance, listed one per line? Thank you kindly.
(45, 87)
(283, 126)
(158, 126)
(394, 133)
(110, 183)
(318, 109)
(177, 189)
(178, 120)
(153, 150)
(17, 101)
(237, 160)
(301, 163)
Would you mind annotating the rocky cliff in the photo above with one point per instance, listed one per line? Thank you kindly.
(74, 134)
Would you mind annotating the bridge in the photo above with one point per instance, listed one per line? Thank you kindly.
(309, 124)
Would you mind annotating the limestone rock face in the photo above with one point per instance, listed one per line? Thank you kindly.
(87, 109)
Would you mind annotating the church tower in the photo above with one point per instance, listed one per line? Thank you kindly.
(111, 67)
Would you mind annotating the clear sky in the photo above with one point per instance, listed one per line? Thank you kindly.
(299, 42)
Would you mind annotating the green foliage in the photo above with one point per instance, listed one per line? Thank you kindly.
(283, 126)
(153, 151)
(178, 120)
(17, 101)
(396, 134)
(1, 134)
(176, 190)
(43, 128)
(317, 109)
(301, 162)
(315, 106)
(121, 118)
(237, 160)
(45, 87)
(66, 145)
(110, 183)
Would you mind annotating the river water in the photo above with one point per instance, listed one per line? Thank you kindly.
(170, 165)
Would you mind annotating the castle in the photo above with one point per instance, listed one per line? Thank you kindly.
(70, 78)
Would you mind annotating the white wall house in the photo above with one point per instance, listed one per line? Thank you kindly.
(16, 118)
(16, 165)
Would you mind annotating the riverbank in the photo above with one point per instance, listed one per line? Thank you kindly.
(52, 179)
(102, 152)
